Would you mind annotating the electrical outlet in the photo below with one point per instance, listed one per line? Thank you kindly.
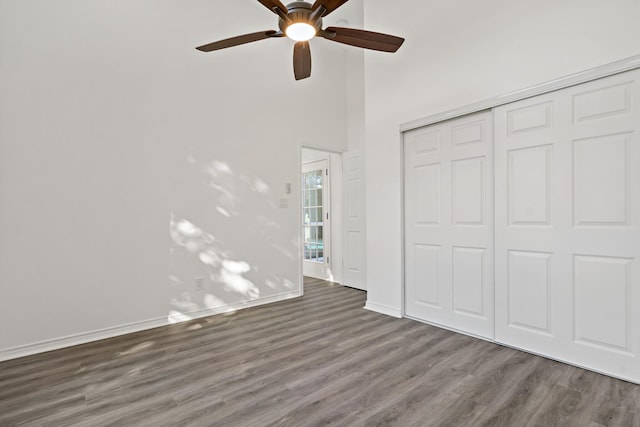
(199, 282)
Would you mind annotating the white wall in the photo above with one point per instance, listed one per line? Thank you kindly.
(130, 163)
(354, 17)
(458, 53)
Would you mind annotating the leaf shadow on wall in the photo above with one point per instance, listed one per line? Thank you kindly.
(227, 247)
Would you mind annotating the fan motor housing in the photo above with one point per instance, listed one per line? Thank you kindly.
(300, 11)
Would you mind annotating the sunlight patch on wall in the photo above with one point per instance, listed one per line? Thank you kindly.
(191, 237)
(220, 180)
(211, 301)
(214, 272)
(223, 211)
(187, 229)
(235, 267)
(260, 186)
(185, 303)
(217, 167)
(231, 275)
(209, 257)
(192, 241)
(177, 317)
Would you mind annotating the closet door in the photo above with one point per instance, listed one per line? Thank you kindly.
(449, 224)
(567, 173)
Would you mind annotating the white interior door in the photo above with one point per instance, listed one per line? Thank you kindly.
(316, 229)
(449, 224)
(354, 223)
(567, 225)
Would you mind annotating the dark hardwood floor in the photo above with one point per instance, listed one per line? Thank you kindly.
(316, 360)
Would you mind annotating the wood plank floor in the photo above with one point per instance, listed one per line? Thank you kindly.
(316, 360)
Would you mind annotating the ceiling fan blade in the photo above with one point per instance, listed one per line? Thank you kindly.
(329, 5)
(301, 60)
(270, 4)
(238, 40)
(362, 38)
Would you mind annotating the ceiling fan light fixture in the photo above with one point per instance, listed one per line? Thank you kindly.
(301, 21)
(301, 31)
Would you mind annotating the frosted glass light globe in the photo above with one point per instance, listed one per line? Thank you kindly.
(300, 32)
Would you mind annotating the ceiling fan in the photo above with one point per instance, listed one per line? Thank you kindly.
(301, 21)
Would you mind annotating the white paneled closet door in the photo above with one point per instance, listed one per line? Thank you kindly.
(567, 173)
(354, 223)
(449, 224)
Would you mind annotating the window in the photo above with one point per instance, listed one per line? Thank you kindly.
(313, 215)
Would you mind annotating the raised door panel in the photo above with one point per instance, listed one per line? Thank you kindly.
(469, 133)
(354, 196)
(529, 183)
(427, 274)
(468, 194)
(469, 281)
(602, 181)
(426, 194)
(530, 118)
(354, 248)
(600, 102)
(529, 292)
(601, 288)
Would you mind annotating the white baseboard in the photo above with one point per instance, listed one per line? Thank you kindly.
(100, 334)
(206, 312)
(81, 338)
(383, 309)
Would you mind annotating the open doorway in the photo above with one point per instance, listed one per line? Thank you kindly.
(321, 215)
